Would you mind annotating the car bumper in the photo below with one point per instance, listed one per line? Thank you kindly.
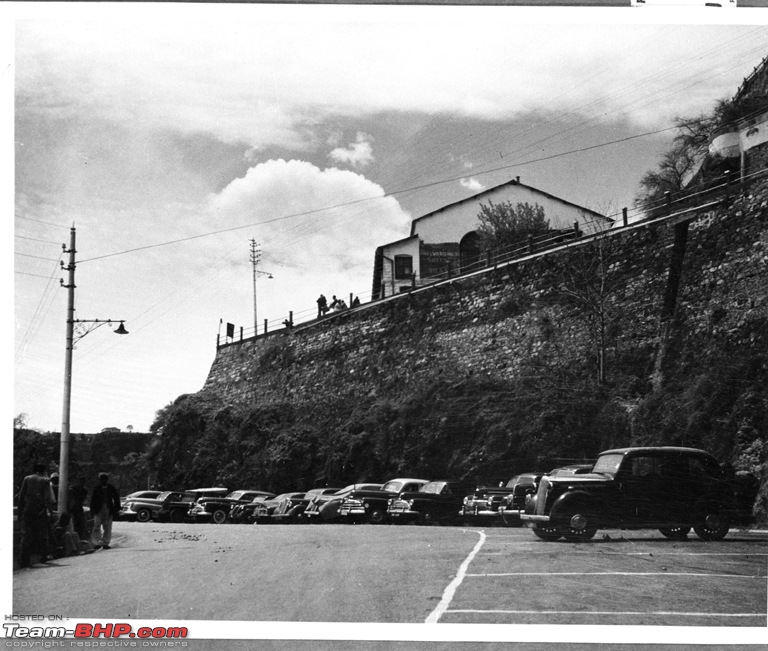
(525, 517)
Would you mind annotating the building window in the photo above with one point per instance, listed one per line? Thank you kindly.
(403, 266)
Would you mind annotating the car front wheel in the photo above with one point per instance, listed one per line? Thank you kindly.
(549, 534)
(177, 515)
(577, 524)
(713, 524)
(376, 516)
(219, 516)
(144, 515)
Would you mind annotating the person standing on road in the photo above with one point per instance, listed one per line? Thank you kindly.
(77, 495)
(105, 505)
(35, 501)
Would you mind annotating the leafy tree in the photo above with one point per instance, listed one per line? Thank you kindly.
(503, 225)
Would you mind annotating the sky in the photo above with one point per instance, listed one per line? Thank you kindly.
(171, 136)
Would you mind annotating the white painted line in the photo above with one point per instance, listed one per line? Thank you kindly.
(448, 593)
(605, 612)
(725, 576)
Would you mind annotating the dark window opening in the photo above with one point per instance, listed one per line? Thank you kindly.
(403, 266)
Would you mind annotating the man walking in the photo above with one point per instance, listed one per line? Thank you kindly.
(35, 499)
(105, 505)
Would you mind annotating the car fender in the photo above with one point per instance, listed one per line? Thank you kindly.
(569, 499)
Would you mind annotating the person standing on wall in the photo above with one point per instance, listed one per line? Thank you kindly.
(35, 501)
(105, 506)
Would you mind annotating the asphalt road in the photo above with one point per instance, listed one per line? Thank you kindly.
(405, 574)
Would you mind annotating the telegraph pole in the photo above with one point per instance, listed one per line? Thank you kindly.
(255, 259)
(64, 443)
(71, 321)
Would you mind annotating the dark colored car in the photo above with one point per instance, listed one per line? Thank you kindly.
(488, 503)
(436, 502)
(291, 509)
(167, 506)
(218, 509)
(250, 512)
(514, 503)
(138, 495)
(369, 505)
(672, 489)
(325, 508)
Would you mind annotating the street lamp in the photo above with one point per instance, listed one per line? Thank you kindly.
(71, 321)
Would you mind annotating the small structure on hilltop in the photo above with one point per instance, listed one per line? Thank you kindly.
(449, 238)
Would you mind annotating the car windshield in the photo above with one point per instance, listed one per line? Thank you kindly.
(165, 495)
(432, 487)
(236, 495)
(608, 464)
(393, 486)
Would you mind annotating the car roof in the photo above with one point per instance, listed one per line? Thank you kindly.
(658, 448)
(407, 480)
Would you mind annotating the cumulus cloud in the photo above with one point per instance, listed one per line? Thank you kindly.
(313, 219)
(357, 154)
(472, 184)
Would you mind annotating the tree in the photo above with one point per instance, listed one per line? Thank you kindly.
(590, 287)
(504, 225)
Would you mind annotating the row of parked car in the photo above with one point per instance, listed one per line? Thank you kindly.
(672, 489)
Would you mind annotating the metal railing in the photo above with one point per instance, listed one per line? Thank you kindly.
(700, 197)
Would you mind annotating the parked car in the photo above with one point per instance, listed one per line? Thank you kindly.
(217, 509)
(167, 506)
(489, 503)
(436, 502)
(514, 503)
(247, 513)
(369, 505)
(291, 510)
(325, 508)
(138, 495)
(288, 508)
(672, 489)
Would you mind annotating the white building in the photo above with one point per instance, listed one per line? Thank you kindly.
(447, 239)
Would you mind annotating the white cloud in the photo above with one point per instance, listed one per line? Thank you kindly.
(257, 82)
(472, 184)
(357, 154)
(311, 219)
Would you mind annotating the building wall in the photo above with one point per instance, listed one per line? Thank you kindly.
(390, 284)
(453, 222)
(504, 322)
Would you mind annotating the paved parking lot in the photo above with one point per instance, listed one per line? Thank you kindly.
(618, 578)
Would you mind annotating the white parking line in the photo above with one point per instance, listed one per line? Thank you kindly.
(620, 553)
(725, 576)
(448, 593)
(604, 612)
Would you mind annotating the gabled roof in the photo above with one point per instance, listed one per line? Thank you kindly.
(474, 197)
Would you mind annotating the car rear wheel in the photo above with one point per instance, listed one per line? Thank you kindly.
(429, 518)
(713, 524)
(577, 524)
(550, 534)
(144, 515)
(177, 515)
(219, 516)
(675, 533)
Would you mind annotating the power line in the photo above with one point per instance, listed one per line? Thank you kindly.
(382, 196)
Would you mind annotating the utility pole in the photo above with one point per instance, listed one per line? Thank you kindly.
(255, 259)
(64, 443)
(63, 506)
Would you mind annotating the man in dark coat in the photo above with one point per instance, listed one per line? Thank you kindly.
(105, 506)
(35, 501)
(77, 495)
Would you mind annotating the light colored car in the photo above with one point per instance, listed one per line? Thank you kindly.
(326, 507)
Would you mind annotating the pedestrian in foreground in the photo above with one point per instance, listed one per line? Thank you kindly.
(105, 505)
(35, 502)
